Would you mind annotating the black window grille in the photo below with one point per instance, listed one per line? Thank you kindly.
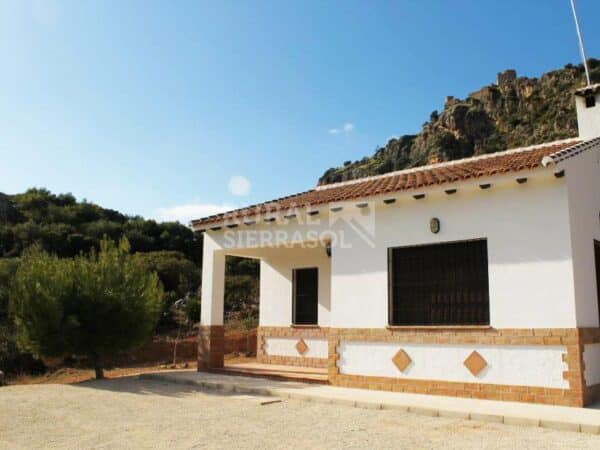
(305, 296)
(439, 284)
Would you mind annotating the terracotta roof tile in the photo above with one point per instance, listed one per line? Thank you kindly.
(460, 170)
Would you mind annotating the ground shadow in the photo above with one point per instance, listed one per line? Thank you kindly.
(135, 384)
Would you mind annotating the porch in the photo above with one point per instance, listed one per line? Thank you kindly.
(278, 372)
(294, 310)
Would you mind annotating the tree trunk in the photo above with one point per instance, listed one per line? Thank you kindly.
(98, 367)
(175, 346)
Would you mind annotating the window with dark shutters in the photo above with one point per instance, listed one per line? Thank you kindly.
(439, 284)
(305, 296)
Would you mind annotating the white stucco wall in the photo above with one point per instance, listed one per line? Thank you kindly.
(527, 227)
(213, 282)
(317, 348)
(591, 359)
(507, 365)
(527, 232)
(276, 284)
(583, 182)
(588, 119)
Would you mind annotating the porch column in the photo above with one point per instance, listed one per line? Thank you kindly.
(211, 340)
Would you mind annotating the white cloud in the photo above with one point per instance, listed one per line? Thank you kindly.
(190, 211)
(239, 185)
(45, 12)
(348, 127)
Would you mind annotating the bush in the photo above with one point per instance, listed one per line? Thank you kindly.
(13, 360)
(90, 306)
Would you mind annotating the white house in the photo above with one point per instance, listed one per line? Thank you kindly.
(474, 278)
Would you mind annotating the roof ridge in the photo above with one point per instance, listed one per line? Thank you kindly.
(513, 160)
(569, 152)
(575, 141)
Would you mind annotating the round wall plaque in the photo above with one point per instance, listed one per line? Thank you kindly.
(434, 225)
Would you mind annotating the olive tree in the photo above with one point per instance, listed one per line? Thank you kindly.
(92, 306)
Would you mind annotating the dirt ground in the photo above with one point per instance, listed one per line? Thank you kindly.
(68, 375)
(131, 413)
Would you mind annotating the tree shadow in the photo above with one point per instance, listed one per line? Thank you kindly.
(187, 384)
(134, 384)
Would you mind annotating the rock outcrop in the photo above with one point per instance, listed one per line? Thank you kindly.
(513, 112)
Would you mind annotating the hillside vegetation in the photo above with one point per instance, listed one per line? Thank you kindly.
(514, 112)
(65, 227)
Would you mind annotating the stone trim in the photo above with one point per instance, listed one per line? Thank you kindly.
(290, 332)
(458, 389)
(295, 332)
(300, 361)
(483, 336)
(573, 339)
(211, 346)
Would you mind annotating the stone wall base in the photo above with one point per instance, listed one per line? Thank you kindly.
(211, 346)
(290, 332)
(486, 391)
(573, 339)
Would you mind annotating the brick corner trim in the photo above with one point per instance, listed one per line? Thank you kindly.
(211, 346)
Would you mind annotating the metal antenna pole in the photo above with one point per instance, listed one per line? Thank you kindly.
(581, 49)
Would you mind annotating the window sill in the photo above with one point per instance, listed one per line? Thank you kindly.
(438, 327)
(304, 326)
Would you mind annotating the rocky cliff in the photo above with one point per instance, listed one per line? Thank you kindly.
(514, 112)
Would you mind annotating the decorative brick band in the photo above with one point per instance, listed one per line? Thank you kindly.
(290, 332)
(462, 335)
(295, 332)
(457, 389)
(573, 339)
(299, 361)
(211, 346)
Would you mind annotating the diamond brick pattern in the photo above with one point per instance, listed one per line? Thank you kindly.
(475, 363)
(301, 347)
(401, 360)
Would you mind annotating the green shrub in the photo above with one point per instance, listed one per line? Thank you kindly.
(90, 306)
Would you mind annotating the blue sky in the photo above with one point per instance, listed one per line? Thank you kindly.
(152, 107)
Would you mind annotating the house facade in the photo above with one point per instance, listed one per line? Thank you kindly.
(474, 278)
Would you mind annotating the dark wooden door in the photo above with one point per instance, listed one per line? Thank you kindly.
(306, 296)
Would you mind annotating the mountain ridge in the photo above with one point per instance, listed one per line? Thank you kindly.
(513, 112)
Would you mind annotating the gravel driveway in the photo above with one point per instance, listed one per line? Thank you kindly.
(132, 413)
